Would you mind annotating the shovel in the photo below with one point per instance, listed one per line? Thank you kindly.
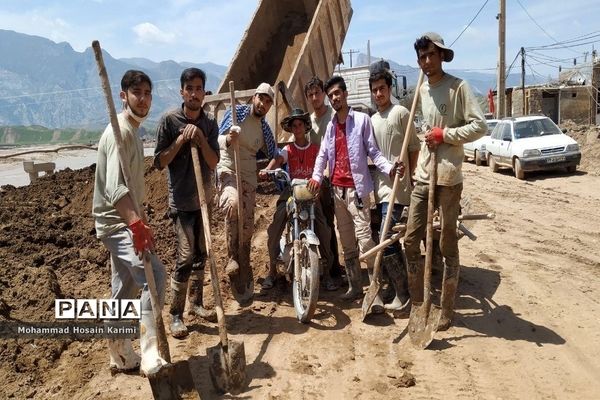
(242, 284)
(163, 381)
(227, 360)
(424, 319)
(375, 284)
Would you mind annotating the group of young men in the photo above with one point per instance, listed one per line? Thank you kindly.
(332, 148)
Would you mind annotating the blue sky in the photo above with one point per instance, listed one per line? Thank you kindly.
(201, 31)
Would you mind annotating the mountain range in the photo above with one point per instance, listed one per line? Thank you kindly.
(52, 85)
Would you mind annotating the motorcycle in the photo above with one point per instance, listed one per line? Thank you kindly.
(300, 245)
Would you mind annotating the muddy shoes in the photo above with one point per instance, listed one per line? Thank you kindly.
(196, 291)
(151, 359)
(179, 292)
(354, 280)
(449, 286)
(122, 356)
(394, 266)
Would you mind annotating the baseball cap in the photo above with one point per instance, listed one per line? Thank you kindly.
(265, 88)
(439, 42)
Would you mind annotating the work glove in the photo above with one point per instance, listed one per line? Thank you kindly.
(313, 186)
(142, 237)
(434, 137)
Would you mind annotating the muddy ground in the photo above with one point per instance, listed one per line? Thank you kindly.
(527, 323)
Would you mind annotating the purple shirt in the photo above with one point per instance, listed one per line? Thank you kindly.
(361, 143)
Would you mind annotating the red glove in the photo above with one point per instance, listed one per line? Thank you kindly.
(435, 136)
(142, 236)
(313, 186)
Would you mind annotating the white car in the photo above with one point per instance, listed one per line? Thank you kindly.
(531, 143)
(477, 149)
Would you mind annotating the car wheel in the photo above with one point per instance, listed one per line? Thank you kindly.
(492, 163)
(477, 158)
(571, 168)
(519, 173)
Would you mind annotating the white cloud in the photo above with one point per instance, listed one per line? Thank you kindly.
(148, 33)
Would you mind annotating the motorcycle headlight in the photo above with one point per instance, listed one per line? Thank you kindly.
(303, 215)
(572, 147)
(531, 153)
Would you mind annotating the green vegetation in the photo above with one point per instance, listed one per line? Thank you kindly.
(39, 135)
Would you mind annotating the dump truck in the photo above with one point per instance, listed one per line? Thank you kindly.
(357, 82)
(286, 43)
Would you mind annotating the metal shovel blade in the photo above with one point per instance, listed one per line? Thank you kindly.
(370, 297)
(163, 383)
(423, 324)
(227, 367)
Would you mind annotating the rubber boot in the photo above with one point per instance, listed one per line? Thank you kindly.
(151, 360)
(415, 281)
(377, 306)
(449, 286)
(232, 268)
(178, 291)
(122, 356)
(196, 291)
(354, 280)
(395, 267)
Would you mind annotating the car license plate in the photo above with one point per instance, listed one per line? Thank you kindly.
(555, 159)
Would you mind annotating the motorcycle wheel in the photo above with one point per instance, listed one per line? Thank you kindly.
(305, 290)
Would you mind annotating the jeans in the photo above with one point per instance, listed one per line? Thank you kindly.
(393, 248)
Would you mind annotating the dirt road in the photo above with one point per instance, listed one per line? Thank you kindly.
(527, 323)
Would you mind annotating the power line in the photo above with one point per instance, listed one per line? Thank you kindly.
(535, 22)
(470, 22)
(571, 41)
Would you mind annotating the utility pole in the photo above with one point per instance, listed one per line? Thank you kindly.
(523, 78)
(501, 60)
(350, 52)
(368, 52)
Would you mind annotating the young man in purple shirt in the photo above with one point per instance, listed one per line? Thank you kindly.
(348, 143)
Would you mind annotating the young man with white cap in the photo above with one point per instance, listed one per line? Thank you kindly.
(253, 135)
(452, 117)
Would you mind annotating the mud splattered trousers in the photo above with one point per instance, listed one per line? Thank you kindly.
(191, 245)
(228, 199)
(353, 223)
(277, 226)
(447, 200)
(127, 270)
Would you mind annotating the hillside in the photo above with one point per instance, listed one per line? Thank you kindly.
(50, 84)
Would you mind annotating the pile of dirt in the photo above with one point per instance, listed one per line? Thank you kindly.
(588, 137)
(49, 250)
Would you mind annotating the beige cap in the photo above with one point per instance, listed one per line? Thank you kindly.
(439, 42)
(265, 88)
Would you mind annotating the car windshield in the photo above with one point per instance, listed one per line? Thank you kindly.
(491, 126)
(536, 127)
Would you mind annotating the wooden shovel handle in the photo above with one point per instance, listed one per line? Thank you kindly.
(429, 236)
(238, 172)
(214, 276)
